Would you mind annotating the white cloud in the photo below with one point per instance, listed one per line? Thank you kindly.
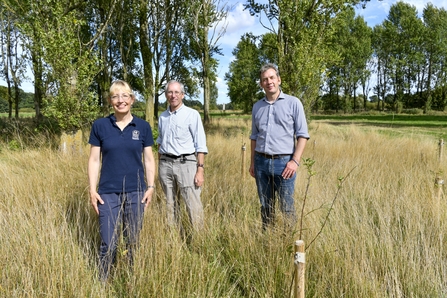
(421, 4)
(238, 19)
(376, 11)
(222, 88)
(239, 22)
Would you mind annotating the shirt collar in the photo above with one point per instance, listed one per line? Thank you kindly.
(113, 119)
(280, 96)
(169, 109)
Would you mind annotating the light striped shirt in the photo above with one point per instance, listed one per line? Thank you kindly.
(181, 132)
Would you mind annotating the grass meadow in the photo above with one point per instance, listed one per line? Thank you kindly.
(385, 235)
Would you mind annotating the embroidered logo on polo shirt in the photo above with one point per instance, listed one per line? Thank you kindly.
(135, 135)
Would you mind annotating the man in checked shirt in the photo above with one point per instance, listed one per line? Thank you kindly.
(279, 135)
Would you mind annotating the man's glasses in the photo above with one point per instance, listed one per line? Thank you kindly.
(173, 92)
(124, 96)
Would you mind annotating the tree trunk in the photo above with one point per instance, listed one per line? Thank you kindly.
(206, 73)
(38, 88)
(8, 82)
(16, 99)
(146, 56)
(206, 101)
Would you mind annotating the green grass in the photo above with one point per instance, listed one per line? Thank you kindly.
(21, 115)
(393, 125)
(387, 120)
(384, 120)
(385, 237)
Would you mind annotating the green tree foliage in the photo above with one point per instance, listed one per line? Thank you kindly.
(214, 94)
(25, 99)
(77, 48)
(4, 107)
(268, 48)
(63, 66)
(303, 32)
(403, 35)
(406, 54)
(98, 35)
(352, 41)
(12, 67)
(410, 55)
(205, 34)
(111, 31)
(164, 47)
(380, 47)
(71, 68)
(435, 49)
(243, 75)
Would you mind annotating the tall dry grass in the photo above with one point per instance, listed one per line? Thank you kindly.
(385, 235)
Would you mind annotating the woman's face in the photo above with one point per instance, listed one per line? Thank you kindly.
(121, 100)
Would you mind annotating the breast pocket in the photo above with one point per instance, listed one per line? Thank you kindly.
(182, 134)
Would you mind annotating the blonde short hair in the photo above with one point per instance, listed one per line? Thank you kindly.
(121, 86)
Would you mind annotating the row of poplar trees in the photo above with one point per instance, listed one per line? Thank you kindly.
(340, 63)
(76, 48)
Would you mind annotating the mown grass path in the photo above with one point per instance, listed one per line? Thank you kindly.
(434, 125)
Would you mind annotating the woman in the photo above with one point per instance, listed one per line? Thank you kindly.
(121, 155)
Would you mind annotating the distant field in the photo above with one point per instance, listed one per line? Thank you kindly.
(388, 124)
(430, 121)
(434, 125)
(21, 115)
(389, 119)
(213, 113)
(425, 122)
(395, 125)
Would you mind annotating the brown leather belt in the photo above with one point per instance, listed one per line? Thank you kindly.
(275, 156)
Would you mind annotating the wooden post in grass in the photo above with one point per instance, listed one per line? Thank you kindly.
(243, 149)
(439, 182)
(300, 266)
(441, 145)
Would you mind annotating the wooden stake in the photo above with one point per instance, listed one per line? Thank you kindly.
(441, 145)
(243, 149)
(439, 182)
(300, 266)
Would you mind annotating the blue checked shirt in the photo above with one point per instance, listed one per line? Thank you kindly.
(276, 126)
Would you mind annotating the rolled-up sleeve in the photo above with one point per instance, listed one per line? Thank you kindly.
(254, 128)
(199, 135)
(301, 130)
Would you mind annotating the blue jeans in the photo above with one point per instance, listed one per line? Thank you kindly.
(119, 212)
(270, 182)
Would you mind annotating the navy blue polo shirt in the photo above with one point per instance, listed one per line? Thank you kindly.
(122, 167)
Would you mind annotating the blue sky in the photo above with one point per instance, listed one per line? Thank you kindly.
(240, 22)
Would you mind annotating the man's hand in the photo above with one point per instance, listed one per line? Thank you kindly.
(252, 170)
(199, 178)
(290, 169)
